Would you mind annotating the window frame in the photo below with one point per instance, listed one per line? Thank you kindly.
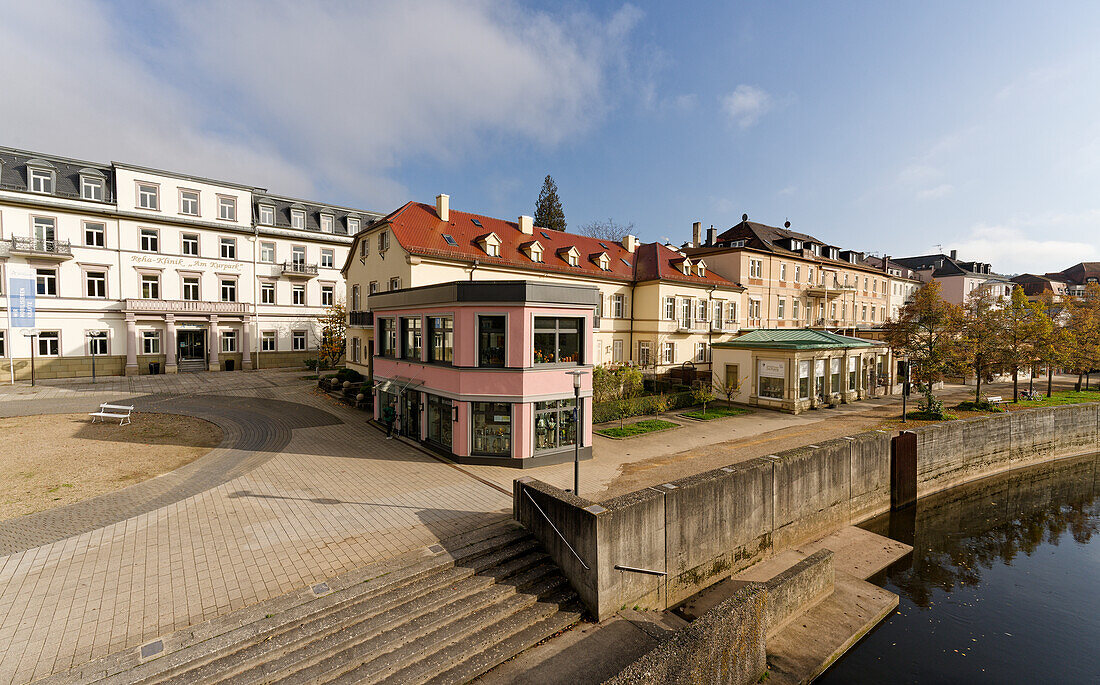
(558, 409)
(298, 295)
(228, 336)
(153, 236)
(231, 242)
(51, 275)
(268, 294)
(148, 337)
(185, 239)
(558, 331)
(479, 352)
(224, 202)
(331, 255)
(185, 200)
(185, 286)
(296, 214)
(269, 336)
(50, 178)
(449, 340)
(328, 294)
(140, 195)
(87, 181)
(330, 220)
(89, 341)
(264, 245)
(229, 282)
(295, 337)
(102, 232)
(44, 336)
(261, 210)
(149, 286)
(98, 277)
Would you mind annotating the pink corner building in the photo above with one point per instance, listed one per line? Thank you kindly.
(484, 371)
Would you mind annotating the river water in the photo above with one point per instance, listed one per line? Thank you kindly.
(1003, 584)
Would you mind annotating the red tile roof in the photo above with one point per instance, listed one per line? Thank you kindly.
(419, 230)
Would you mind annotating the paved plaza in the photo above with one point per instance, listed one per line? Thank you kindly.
(301, 489)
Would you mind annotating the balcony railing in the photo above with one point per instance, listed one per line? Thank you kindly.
(186, 306)
(361, 319)
(60, 249)
(299, 269)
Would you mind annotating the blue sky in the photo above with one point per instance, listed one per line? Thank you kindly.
(878, 126)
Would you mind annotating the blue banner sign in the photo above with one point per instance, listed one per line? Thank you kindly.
(21, 292)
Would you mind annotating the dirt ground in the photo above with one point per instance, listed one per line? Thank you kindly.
(56, 459)
(667, 468)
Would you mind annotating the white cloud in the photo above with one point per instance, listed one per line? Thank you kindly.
(304, 97)
(937, 192)
(746, 104)
(1022, 247)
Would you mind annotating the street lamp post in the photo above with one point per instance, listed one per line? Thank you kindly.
(93, 336)
(31, 335)
(577, 428)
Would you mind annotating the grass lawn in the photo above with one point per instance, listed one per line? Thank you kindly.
(715, 413)
(639, 428)
(1059, 397)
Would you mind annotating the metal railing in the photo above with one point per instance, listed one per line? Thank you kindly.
(634, 569)
(361, 319)
(299, 269)
(186, 306)
(581, 561)
(41, 246)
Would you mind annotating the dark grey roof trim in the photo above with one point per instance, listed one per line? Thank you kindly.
(509, 292)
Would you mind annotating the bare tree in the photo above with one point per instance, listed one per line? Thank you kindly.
(607, 230)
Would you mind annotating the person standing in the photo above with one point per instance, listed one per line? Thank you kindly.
(388, 417)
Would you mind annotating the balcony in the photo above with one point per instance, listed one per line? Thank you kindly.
(186, 306)
(829, 290)
(39, 249)
(299, 270)
(361, 319)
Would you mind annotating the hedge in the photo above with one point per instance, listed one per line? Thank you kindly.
(638, 406)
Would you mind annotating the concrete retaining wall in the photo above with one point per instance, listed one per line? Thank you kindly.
(798, 588)
(701, 529)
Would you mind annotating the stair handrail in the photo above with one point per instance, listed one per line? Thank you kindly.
(556, 529)
(635, 569)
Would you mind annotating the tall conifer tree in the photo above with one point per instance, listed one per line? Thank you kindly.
(548, 211)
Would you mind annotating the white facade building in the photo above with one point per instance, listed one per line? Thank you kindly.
(177, 271)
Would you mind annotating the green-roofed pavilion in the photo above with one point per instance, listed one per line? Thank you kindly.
(797, 339)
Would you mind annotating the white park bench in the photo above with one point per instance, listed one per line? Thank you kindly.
(995, 399)
(113, 411)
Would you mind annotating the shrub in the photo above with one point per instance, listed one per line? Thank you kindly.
(311, 363)
(971, 405)
(637, 406)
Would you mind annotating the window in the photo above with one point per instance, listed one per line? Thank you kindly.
(700, 310)
(872, 313)
(372, 287)
(3, 344)
(191, 244)
(228, 248)
(268, 341)
(440, 420)
(441, 339)
(148, 196)
(45, 281)
(49, 343)
(492, 249)
(668, 354)
(780, 307)
(804, 380)
(189, 202)
(298, 219)
(809, 274)
(410, 337)
(670, 308)
(95, 234)
(356, 299)
(150, 286)
(298, 341)
(353, 225)
(557, 340)
(797, 273)
(298, 256)
(150, 240)
(644, 353)
(864, 312)
(227, 208)
(617, 351)
(326, 223)
(355, 350)
(783, 272)
(395, 283)
(794, 309)
(718, 314)
(326, 295)
(229, 290)
(852, 372)
(819, 378)
(364, 247)
(41, 181)
(491, 339)
(191, 288)
(45, 233)
(229, 341)
(685, 312)
(754, 310)
(618, 306)
(834, 372)
(267, 253)
(771, 377)
(383, 241)
(756, 268)
(700, 352)
(492, 428)
(328, 258)
(733, 377)
(91, 188)
(267, 293)
(267, 215)
(555, 424)
(150, 342)
(96, 283)
(298, 294)
(387, 338)
(97, 342)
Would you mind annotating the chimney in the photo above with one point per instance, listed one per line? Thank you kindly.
(712, 236)
(526, 224)
(630, 243)
(443, 207)
(954, 254)
(696, 234)
(886, 263)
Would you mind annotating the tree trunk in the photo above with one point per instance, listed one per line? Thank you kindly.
(1077, 385)
(1015, 384)
(1050, 379)
(978, 384)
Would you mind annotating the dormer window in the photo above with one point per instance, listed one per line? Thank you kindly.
(700, 269)
(267, 215)
(92, 185)
(796, 244)
(490, 244)
(603, 261)
(326, 223)
(737, 243)
(686, 267)
(571, 256)
(353, 225)
(298, 219)
(41, 180)
(148, 196)
(533, 251)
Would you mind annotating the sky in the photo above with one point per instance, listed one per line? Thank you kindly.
(890, 128)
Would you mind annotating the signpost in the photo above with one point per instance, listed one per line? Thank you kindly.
(94, 336)
(32, 336)
(21, 306)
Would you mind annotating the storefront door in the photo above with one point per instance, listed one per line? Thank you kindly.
(410, 414)
(192, 345)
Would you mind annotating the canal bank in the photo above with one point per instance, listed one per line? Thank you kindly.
(654, 548)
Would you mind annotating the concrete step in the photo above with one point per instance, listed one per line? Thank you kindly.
(325, 649)
(191, 366)
(477, 624)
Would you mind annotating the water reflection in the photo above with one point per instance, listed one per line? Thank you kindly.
(991, 562)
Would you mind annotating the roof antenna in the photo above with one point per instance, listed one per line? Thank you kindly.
(787, 223)
(939, 247)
